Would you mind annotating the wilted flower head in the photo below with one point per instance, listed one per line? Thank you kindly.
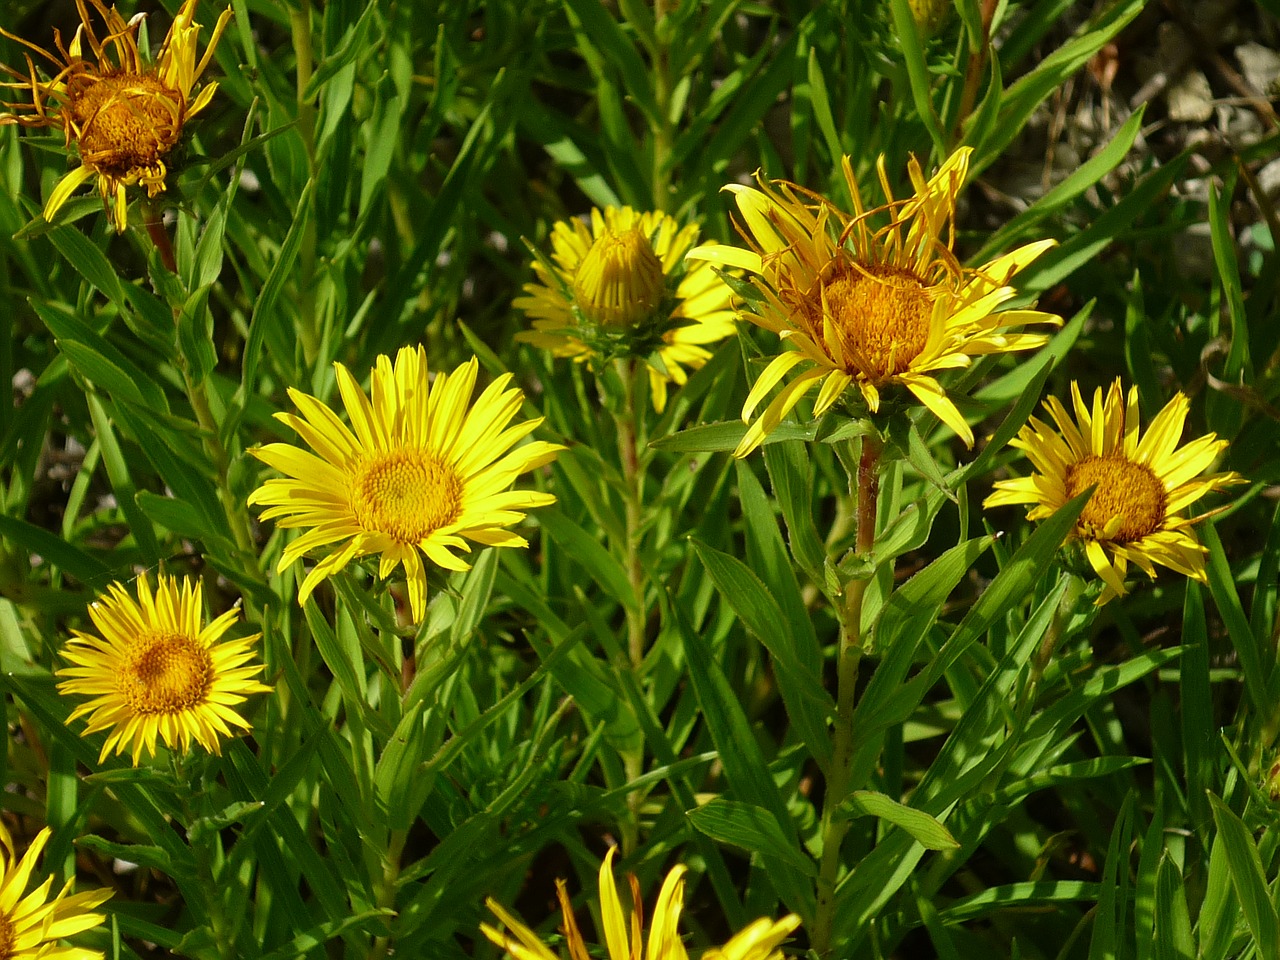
(421, 472)
(621, 288)
(31, 924)
(158, 671)
(869, 306)
(1142, 484)
(624, 940)
(124, 115)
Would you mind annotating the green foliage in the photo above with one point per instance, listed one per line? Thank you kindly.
(924, 740)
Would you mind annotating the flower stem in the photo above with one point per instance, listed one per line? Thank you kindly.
(976, 69)
(300, 22)
(153, 220)
(663, 128)
(384, 888)
(866, 490)
(198, 396)
(636, 611)
(1049, 646)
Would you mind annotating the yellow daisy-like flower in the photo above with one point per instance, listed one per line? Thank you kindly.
(32, 924)
(624, 940)
(421, 471)
(123, 115)
(1142, 484)
(869, 307)
(158, 671)
(622, 288)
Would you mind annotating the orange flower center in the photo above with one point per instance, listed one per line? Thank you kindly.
(878, 316)
(406, 495)
(166, 673)
(6, 936)
(620, 281)
(1127, 504)
(124, 123)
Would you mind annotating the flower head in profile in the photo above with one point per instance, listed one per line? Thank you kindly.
(124, 115)
(421, 472)
(1142, 484)
(871, 299)
(621, 288)
(624, 940)
(31, 924)
(158, 671)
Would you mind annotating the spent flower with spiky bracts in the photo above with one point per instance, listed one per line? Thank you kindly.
(869, 306)
(124, 115)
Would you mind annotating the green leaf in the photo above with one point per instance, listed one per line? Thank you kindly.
(821, 105)
(264, 307)
(1025, 94)
(1110, 919)
(791, 474)
(313, 937)
(145, 855)
(92, 264)
(1256, 660)
(68, 558)
(751, 828)
(799, 679)
(590, 555)
(398, 786)
(924, 829)
(918, 73)
(98, 359)
(602, 41)
(1069, 188)
(745, 767)
(1248, 878)
(1104, 229)
(1172, 934)
(1024, 896)
(239, 812)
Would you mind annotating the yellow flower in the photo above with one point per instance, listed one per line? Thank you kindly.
(623, 940)
(869, 307)
(1142, 484)
(32, 924)
(417, 473)
(158, 671)
(123, 115)
(622, 288)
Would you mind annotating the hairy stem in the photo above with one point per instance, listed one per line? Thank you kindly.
(636, 612)
(384, 888)
(849, 658)
(975, 69)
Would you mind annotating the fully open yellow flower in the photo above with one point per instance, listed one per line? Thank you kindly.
(158, 671)
(124, 115)
(624, 940)
(1141, 484)
(622, 288)
(32, 924)
(868, 306)
(419, 472)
